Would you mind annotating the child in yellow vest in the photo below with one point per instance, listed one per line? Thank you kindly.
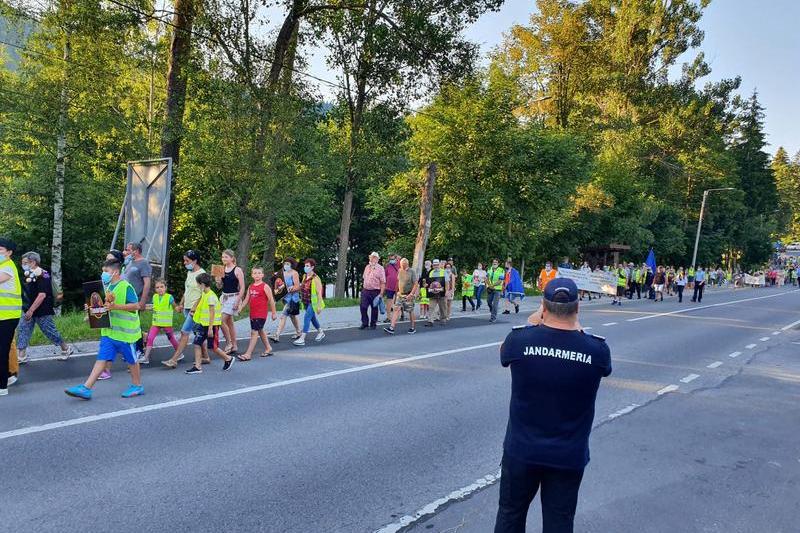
(163, 304)
(208, 319)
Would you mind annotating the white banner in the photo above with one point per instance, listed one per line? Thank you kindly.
(754, 280)
(600, 281)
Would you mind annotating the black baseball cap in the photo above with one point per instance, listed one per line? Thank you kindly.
(192, 254)
(561, 290)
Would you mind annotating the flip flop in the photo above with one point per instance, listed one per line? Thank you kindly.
(243, 358)
(267, 354)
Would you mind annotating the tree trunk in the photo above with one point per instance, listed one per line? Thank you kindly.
(425, 212)
(344, 242)
(245, 237)
(58, 193)
(272, 241)
(179, 53)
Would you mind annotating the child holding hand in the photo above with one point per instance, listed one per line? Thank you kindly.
(260, 298)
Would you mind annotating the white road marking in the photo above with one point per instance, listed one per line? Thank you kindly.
(235, 392)
(776, 332)
(680, 311)
(715, 364)
(433, 506)
(610, 324)
(668, 388)
(790, 326)
(690, 378)
(587, 329)
(623, 411)
(735, 354)
(751, 346)
(764, 339)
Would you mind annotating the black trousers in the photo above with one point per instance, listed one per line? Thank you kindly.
(679, 288)
(7, 328)
(698, 292)
(635, 288)
(519, 483)
(464, 300)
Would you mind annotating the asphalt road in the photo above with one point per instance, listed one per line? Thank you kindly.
(365, 431)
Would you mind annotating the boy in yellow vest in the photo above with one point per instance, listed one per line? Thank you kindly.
(123, 312)
(208, 319)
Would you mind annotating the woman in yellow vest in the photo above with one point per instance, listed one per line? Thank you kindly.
(163, 305)
(312, 296)
(10, 308)
(123, 313)
(207, 320)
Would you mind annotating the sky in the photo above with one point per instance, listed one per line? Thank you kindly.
(758, 40)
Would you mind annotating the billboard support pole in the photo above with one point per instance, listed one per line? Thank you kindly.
(119, 220)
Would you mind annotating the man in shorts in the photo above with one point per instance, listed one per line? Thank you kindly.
(191, 295)
(407, 289)
(123, 312)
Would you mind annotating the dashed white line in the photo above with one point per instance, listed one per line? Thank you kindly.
(680, 311)
(790, 326)
(623, 411)
(750, 346)
(734, 354)
(587, 329)
(234, 392)
(715, 364)
(668, 388)
(610, 324)
(431, 508)
(690, 378)
(776, 332)
(764, 339)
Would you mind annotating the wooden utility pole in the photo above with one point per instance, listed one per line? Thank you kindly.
(425, 212)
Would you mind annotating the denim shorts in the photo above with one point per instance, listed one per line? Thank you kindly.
(188, 322)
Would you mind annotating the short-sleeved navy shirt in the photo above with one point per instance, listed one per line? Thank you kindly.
(555, 375)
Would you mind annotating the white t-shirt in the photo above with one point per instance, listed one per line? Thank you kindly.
(8, 285)
(479, 277)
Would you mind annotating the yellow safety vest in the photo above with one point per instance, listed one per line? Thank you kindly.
(423, 296)
(125, 325)
(316, 302)
(201, 314)
(496, 277)
(162, 311)
(11, 302)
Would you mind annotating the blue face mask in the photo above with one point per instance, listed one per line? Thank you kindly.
(105, 277)
(190, 267)
(287, 267)
(3, 258)
(26, 268)
(392, 261)
(307, 269)
(128, 260)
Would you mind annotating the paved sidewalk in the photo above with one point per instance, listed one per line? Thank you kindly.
(332, 318)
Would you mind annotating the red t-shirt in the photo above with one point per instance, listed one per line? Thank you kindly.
(258, 300)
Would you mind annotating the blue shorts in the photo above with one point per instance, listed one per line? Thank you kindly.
(109, 348)
(188, 322)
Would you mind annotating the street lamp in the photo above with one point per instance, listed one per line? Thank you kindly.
(700, 221)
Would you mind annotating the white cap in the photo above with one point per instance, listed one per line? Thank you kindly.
(375, 254)
(435, 262)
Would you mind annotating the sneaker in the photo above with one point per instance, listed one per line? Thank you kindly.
(493, 320)
(194, 370)
(3, 392)
(389, 330)
(516, 308)
(80, 391)
(411, 331)
(12, 379)
(506, 312)
(295, 337)
(228, 364)
(299, 342)
(362, 326)
(274, 338)
(143, 361)
(104, 375)
(428, 324)
(22, 357)
(65, 353)
(133, 390)
(320, 336)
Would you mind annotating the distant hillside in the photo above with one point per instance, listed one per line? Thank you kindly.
(12, 32)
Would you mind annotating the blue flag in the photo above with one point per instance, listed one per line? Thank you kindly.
(651, 260)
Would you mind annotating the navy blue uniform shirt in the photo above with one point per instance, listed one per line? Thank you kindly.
(554, 379)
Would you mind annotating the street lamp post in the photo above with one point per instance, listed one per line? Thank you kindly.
(700, 221)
